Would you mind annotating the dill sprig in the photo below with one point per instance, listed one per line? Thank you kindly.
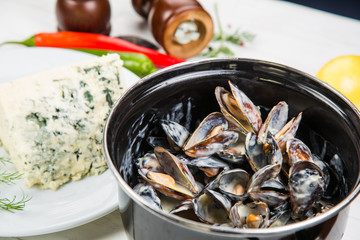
(4, 160)
(8, 178)
(237, 38)
(13, 205)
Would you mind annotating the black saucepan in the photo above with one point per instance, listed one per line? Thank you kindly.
(185, 92)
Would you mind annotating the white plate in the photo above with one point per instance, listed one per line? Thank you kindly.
(75, 203)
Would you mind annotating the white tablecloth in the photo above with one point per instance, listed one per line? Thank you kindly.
(286, 33)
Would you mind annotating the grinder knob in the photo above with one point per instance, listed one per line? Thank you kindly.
(84, 16)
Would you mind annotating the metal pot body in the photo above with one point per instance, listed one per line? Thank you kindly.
(189, 87)
(142, 224)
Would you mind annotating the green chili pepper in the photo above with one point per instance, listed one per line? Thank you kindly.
(138, 63)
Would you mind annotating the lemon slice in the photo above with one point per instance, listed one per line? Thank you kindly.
(343, 74)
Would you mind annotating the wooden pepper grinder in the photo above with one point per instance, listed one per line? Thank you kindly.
(182, 27)
(84, 16)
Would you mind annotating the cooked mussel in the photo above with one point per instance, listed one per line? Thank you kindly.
(148, 193)
(235, 152)
(233, 184)
(275, 121)
(280, 219)
(306, 187)
(250, 215)
(211, 125)
(263, 175)
(176, 168)
(249, 173)
(210, 137)
(288, 132)
(209, 165)
(213, 144)
(255, 153)
(165, 184)
(212, 207)
(238, 108)
(176, 133)
(150, 162)
(297, 151)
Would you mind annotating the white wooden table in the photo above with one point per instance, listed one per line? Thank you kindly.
(286, 33)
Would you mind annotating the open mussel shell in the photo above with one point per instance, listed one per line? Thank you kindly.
(238, 109)
(273, 192)
(166, 185)
(263, 175)
(234, 153)
(288, 132)
(183, 206)
(230, 109)
(280, 219)
(209, 165)
(325, 169)
(337, 180)
(275, 184)
(212, 207)
(275, 121)
(150, 162)
(185, 209)
(233, 183)
(255, 152)
(177, 133)
(214, 144)
(250, 215)
(273, 151)
(306, 187)
(247, 108)
(297, 151)
(270, 197)
(147, 192)
(211, 125)
(176, 169)
(213, 184)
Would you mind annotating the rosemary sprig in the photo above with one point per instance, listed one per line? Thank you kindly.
(237, 38)
(13, 205)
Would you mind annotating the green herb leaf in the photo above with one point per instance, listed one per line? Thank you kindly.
(13, 205)
(8, 178)
(4, 160)
(237, 38)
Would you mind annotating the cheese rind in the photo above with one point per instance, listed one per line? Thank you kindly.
(51, 124)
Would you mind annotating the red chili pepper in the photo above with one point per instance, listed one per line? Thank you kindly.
(96, 41)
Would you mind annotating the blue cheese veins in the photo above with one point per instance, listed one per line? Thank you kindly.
(51, 124)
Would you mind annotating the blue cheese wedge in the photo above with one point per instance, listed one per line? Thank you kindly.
(51, 124)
